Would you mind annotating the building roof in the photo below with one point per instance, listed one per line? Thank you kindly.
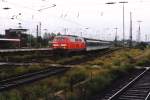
(4, 39)
(17, 29)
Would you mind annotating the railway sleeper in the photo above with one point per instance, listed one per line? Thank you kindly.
(141, 88)
(133, 97)
(136, 92)
(144, 80)
(144, 84)
(128, 99)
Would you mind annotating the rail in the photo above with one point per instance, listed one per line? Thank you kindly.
(30, 77)
(126, 87)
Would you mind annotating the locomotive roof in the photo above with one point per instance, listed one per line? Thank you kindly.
(70, 35)
(87, 38)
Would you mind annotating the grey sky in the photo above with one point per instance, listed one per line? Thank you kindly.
(91, 17)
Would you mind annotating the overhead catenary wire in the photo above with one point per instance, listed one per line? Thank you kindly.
(39, 11)
(66, 16)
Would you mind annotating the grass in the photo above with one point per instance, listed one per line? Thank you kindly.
(12, 71)
(144, 60)
(45, 88)
(69, 59)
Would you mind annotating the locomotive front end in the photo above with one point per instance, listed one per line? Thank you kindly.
(59, 43)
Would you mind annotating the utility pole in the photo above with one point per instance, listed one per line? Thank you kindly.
(65, 31)
(130, 37)
(123, 15)
(145, 37)
(123, 23)
(37, 35)
(116, 36)
(81, 34)
(139, 31)
(40, 25)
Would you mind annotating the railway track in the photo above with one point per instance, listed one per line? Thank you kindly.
(13, 82)
(54, 57)
(90, 55)
(136, 89)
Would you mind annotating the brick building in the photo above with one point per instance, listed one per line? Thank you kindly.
(17, 34)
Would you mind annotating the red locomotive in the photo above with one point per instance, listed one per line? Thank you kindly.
(71, 43)
(75, 43)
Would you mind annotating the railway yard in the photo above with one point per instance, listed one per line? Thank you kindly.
(74, 50)
(43, 75)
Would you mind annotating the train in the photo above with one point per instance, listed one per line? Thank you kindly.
(76, 43)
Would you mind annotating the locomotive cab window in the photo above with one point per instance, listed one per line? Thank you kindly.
(72, 39)
(78, 40)
(59, 39)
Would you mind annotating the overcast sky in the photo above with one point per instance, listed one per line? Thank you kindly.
(91, 18)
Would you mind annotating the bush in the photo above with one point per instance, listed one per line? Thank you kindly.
(98, 83)
(13, 95)
(63, 84)
(3, 75)
(71, 96)
(116, 62)
(20, 70)
(141, 45)
(143, 62)
(77, 75)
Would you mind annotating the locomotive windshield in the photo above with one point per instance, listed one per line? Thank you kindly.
(59, 39)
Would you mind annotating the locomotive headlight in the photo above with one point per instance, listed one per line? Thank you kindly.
(55, 45)
(63, 44)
